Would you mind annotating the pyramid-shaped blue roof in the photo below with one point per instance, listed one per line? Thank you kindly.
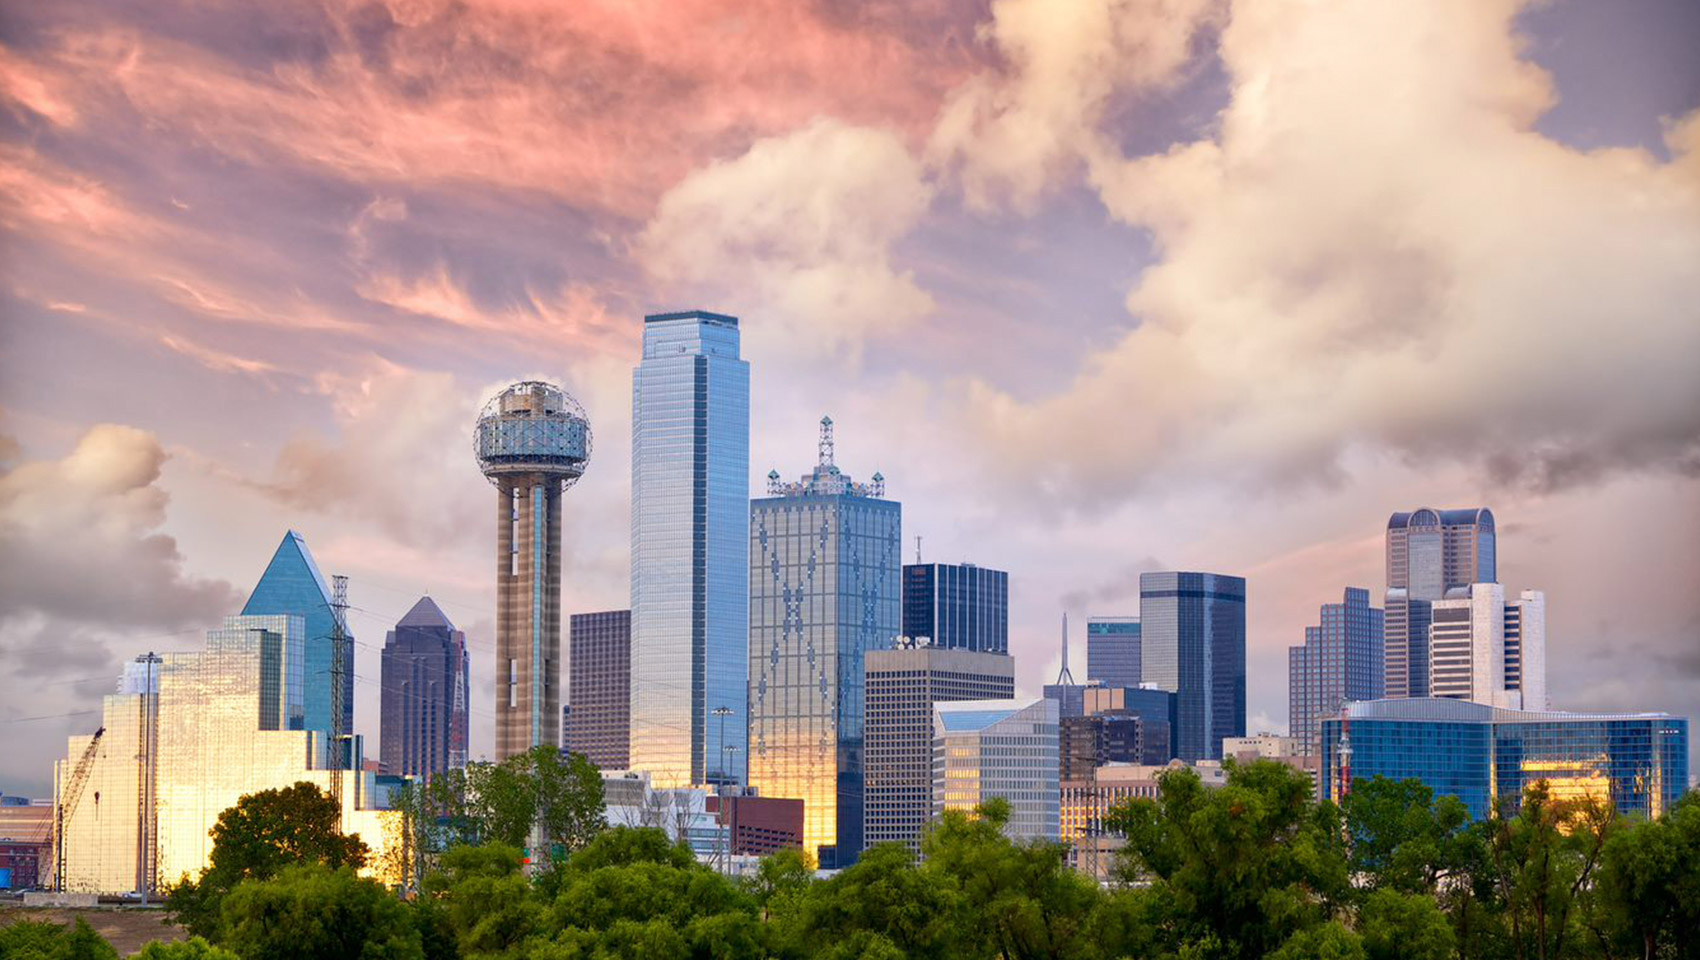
(290, 572)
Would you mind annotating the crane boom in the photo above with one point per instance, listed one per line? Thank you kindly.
(67, 805)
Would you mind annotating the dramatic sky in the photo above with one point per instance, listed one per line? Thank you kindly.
(1101, 286)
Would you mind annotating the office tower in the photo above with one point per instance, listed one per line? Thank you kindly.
(533, 443)
(957, 606)
(1526, 648)
(690, 551)
(226, 721)
(1000, 748)
(1484, 649)
(824, 592)
(293, 586)
(903, 685)
(1087, 742)
(1112, 651)
(757, 826)
(1429, 552)
(1480, 753)
(1155, 709)
(599, 684)
(423, 718)
(1193, 643)
(1339, 661)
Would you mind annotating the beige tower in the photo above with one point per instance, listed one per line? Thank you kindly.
(533, 443)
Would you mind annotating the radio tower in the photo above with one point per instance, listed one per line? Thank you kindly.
(339, 672)
(1064, 677)
(533, 442)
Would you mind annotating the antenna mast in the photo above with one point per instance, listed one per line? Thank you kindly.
(826, 441)
(339, 670)
(1064, 677)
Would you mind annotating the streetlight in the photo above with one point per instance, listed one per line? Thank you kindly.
(722, 712)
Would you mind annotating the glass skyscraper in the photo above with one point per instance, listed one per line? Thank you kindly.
(1339, 661)
(1480, 754)
(423, 720)
(1428, 553)
(690, 551)
(1193, 643)
(824, 592)
(293, 586)
(957, 606)
(1113, 651)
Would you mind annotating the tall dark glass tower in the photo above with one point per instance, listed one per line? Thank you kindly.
(957, 606)
(1113, 651)
(423, 720)
(824, 564)
(292, 584)
(599, 688)
(1193, 643)
(690, 551)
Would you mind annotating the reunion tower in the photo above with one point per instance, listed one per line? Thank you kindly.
(533, 442)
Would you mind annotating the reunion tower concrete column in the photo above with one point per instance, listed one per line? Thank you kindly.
(533, 442)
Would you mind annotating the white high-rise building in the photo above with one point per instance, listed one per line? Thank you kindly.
(1488, 651)
(1000, 748)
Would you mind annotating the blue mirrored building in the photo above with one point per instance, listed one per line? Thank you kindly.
(1482, 754)
(690, 551)
(293, 586)
(1192, 643)
(959, 606)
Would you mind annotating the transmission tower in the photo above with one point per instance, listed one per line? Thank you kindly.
(339, 673)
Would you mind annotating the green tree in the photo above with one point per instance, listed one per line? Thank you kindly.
(45, 940)
(1541, 862)
(1027, 901)
(1648, 895)
(1405, 838)
(484, 899)
(193, 948)
(780, 879)
(315, 913)
(256, 839)
(1404, 926)
(1328, 941)
(882, 901)
(1244, 866)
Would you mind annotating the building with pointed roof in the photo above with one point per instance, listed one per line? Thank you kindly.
(423, 717)
(1000, 748)
(293, 586)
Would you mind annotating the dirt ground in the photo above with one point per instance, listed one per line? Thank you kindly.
(126, 930)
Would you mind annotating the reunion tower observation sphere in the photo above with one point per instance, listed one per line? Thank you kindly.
(533, 428)
(533, 442)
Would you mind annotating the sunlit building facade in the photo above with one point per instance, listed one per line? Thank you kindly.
(1000, 748)
(1487, 649)
(1483, 754)
(224, 723)
(1192, 628)
(903, 685)
(690, 551)
(824, 593)
(1340, 660)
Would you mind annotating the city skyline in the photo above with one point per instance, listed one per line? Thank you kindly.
(237, 305)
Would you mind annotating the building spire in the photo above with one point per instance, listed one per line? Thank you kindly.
(826, 441)
(1064, 677)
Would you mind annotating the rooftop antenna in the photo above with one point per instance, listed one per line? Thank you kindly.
(917, 548)
(1064, 678)
(826, 441)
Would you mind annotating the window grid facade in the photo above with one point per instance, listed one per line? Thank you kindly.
(902, 688)
(1113, 651)
(957, 606)
(1340, 661)
(1193, 643)
(424, 711)
(824, 592)
(1428, 553)
(597, 721)
(1000, 748)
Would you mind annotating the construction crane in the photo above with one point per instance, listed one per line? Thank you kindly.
(68, 797)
